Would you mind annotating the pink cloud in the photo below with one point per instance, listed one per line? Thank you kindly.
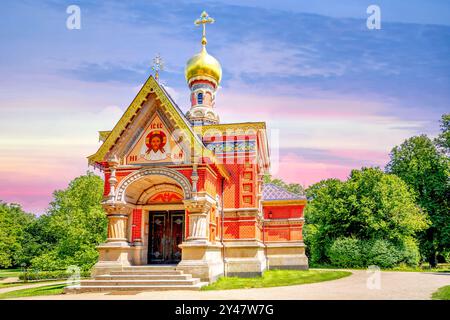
(267, 107)
(297, 169)
(377, 157)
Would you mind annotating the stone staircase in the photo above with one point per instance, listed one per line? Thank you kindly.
(139, 278)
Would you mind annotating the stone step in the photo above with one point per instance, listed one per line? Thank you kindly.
(95, 288)
(138, 282)
(126, 276)
(139, 278)
(147, 272)
(150, 267)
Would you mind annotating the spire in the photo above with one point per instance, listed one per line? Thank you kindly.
(203, 74)
(203, 20)
(157, 66)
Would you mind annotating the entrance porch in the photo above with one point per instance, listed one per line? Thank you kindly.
(154, 217)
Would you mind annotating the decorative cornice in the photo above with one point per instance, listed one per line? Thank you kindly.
(284, 221)
(233, 126)
(284, 202)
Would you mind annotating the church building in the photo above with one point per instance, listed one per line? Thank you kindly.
(184, 191)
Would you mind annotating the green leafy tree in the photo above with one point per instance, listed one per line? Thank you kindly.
(443, 140)
(419, 163)
(370, 205)
(13, 223)
(73, 226)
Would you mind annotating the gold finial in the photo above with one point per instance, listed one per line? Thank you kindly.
(157, 66)
(203, 20)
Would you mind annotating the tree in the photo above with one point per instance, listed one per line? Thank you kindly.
(13, 223)
(443, 140)
(73, 226)
(418, 162)
(291, 187)
(370, 205)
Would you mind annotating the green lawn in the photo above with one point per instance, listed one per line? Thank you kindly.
(442, 294)
(39, 291)
(6, 273)
(21, 283)
(275, 278)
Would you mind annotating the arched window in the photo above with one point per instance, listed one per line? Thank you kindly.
(200, 98)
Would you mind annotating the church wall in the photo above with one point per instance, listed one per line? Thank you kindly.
(283, 211)
(240, 228)
(283, 222)
(285, 231)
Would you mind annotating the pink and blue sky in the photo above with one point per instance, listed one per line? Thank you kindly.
(338, 95)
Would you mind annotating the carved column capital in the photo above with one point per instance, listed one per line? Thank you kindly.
(200, 204)
(113, 207)
(117, 214)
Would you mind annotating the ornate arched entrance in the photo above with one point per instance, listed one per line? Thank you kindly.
(146, 213)
(156, 216)
(144, 179)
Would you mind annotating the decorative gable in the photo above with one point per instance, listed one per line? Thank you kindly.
(157, 144)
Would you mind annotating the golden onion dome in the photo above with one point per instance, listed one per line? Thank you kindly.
(203, 65)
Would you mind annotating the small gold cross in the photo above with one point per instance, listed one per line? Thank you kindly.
(157, 66)
(203, 20)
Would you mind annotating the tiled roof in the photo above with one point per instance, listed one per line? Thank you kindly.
(274, 192)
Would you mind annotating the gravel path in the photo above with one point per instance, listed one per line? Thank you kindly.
(393, 285)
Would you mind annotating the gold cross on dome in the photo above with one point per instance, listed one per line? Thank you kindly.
(203, 20)
(157, 66)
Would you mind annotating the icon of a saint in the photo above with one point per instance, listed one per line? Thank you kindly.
(155, 147)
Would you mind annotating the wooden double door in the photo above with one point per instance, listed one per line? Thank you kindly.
(166, 232)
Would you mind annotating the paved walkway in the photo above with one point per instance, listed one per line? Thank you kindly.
(9, 280)
(393, 285)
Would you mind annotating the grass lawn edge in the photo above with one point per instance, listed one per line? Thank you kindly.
(443, 293)
(277, 278)
(52, 289)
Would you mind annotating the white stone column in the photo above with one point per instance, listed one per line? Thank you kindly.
(198, 209)
(200, 257)
(117, 223)
(198, 226)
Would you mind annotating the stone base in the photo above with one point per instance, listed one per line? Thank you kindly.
(244, 258)
(202, 260)
(287, 255)
(112, 256)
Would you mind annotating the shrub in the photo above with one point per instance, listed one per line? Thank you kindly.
(356, 253)
(410, 252)
(48, 261)
(382, 253)
(346, 252)
(446, 255)
(50, 275)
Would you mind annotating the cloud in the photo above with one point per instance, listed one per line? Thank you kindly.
(339, 96)
(273, 59)
(106, 72)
